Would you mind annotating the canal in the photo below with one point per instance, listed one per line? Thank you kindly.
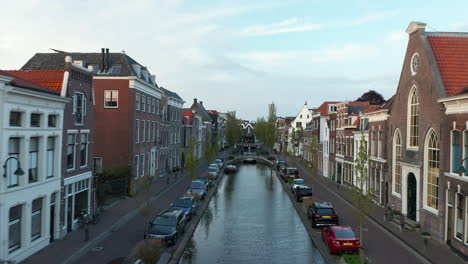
(250, 220)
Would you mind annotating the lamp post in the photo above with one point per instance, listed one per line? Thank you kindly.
(18, 171)
(462, 169)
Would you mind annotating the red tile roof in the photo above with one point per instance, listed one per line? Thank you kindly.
(371, 108)
(323, 108)
(50, 78)
(359, 103)
(19, 81)
(451, 54)
(189, 114)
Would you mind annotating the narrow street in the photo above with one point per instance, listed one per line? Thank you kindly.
(251, 220)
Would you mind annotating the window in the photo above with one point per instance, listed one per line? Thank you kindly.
(414, 118)
(111, 99)
(84, 150)
(397, 163)
(465, 142)
(154, 106)
(433, 172)
(36, 219)
(154, 131)
(14, 228)
(12, 166)
(456, 151)
(35, 120)
(15, 119)
(137, 101)
(157, 107)
(148, 135)
(379, 144)
(460, 215)
(97, 164)
(298, 124)
(137, 131)
(143, 128)
(71, 140)
(33, 159)
(79, 108)
(149, 104)
(50, 156)
(300, 116)
(52, 121)
(136, 164)
(143, 103)
(373, 143)
(142, 159)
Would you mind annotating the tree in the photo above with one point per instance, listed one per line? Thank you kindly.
(361, 196)
(192, 161)
(233, 128)
(373, 97)
(314, 149)
(141, 191)
(296, 139)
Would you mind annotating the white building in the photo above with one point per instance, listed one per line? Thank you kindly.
(31, 118)
(300, 122)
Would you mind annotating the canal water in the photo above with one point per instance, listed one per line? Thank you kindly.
(250, 220)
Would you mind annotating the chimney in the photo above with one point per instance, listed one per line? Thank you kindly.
(68, 62)
(195, 100)
(201, 102)
(101, 67)
(107, 60)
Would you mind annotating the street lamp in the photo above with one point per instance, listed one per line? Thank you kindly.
(18, 171)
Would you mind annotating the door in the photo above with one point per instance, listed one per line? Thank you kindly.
(52, 222)
(339, 168)
(69, 214)
(411, 195)
(449, 224)
(386, 193)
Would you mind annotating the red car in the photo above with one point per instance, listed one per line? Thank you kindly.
(340, 239)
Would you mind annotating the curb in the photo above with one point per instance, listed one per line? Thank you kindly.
(83, 250)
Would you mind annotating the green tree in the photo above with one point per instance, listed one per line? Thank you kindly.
(314, 149)
(233, 128)
(192, 161)
(361, 195)
(373, 97)
(296, 139)
(265, 129)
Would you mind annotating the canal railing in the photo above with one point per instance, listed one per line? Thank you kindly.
(250, 158)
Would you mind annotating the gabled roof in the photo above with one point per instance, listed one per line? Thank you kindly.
(50, 78)
(19, 81)
(56, 61)
(170, 93)
(189, 115)
(451, 54)
(371, 108)
(323, 108)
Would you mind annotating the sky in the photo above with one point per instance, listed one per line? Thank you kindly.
(237, 55)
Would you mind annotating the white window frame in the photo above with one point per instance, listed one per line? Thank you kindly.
(143, 128)
(83, 107)
(87, 149)
(137, 138)
(426, 172)
(143, 103)
(414, 90)
(394, 161)
(137, 167)
(137, 101)
(148, 134)
(74, 152)
(53, 156)
(111, 93)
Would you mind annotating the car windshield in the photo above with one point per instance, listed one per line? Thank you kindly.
(293, 171)
(218, 161)
(344, 233)
(325, 211)
(183, 203)
(298, 181)
(164, 220)
(197, 185)
(305, 190)
(212, 169)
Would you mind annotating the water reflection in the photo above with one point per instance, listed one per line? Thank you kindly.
(251, 220)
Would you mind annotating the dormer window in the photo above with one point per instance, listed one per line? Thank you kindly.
(115, 69)
(79, 107)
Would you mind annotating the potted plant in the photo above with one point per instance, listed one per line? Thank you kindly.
(426, 235)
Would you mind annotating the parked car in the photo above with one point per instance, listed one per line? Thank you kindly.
(213, 170)
(302, 191)
(186, 204)
(340, 239)
(197, 187)
(295, 183)
(279, 164)
(167, 226)
(287, 173)
(219, 162)
(322, 214)
(208, 182)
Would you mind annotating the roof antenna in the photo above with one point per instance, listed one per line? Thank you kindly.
(58, 51)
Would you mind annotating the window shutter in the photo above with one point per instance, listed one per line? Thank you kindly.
(74, 103)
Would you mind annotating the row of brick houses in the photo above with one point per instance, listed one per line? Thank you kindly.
(66, 116)
(417, 141)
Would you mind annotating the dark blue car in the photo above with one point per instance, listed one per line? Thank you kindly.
(186, 204)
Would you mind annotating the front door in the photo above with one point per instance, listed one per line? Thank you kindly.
(339, 168)
(449, 224)
(411, 201)
(69, 214)
(52, 222)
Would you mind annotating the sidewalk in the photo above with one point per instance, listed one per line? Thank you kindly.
(435, 252)
(73, 245)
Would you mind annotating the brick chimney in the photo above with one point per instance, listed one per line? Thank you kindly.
(195, 100)
(201, 102)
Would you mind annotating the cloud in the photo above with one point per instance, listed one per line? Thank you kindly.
(294, 24)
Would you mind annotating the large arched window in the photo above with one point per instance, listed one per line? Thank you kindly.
(432, 160)
(397, 162)
(413, 117)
